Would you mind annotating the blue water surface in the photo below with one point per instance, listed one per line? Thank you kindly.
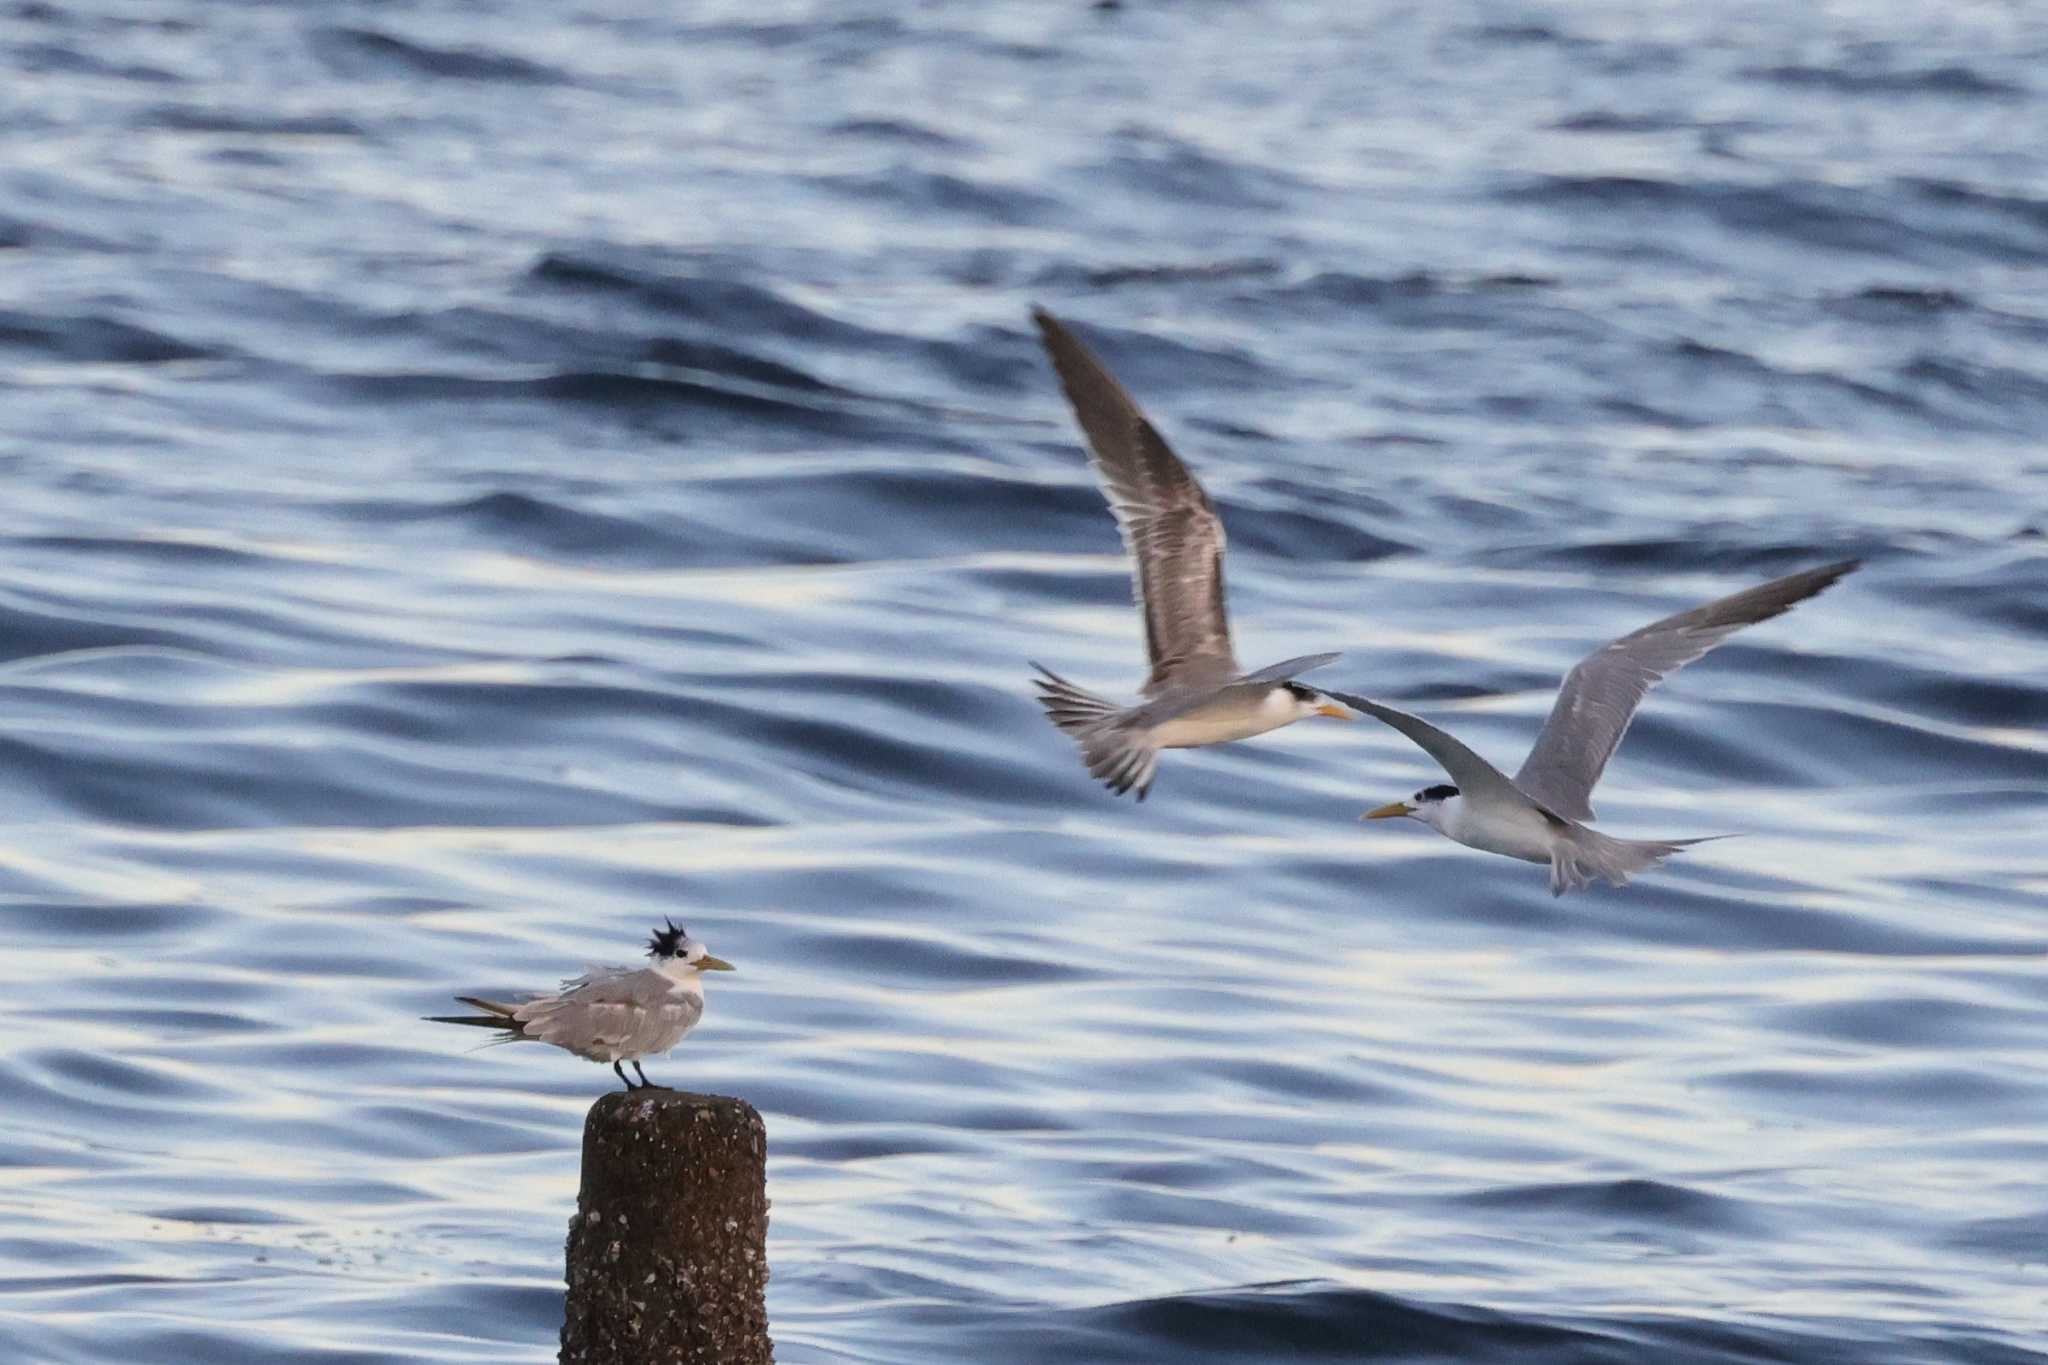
(484, 477)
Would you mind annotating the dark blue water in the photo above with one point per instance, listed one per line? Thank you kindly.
(484, 477)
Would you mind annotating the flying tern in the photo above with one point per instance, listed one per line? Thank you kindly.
(1539, 815)
(1197, 693)
(611, 1014)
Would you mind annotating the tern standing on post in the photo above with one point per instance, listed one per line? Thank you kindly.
(1538, 814)
(611, 1014)
(1197, 693)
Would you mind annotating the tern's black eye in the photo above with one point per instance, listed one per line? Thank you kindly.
(1440, 792)
(1299, 692)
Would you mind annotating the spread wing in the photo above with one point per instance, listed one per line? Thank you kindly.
(613, 1014)
(1475, 778)
(1169, 527)
(1289, 669)
(1600, 695)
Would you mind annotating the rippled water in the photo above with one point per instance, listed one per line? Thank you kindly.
(485, 477)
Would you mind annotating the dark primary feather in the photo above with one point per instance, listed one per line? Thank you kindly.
(496, 1016)
(1600, 695)
(1169, 526)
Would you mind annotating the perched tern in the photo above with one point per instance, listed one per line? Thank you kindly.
(1197, 692)
(1539, 814)
(611, 1014)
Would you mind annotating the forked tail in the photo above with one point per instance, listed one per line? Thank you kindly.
(1117, 757)
(1585, 856)
(495, 1016)
(1071, 708)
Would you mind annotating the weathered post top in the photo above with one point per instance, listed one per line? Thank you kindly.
(668, 1249)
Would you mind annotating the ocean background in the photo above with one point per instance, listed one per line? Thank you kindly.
(484, 477)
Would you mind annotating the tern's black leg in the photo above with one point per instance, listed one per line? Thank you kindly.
(646, 1084)
(624, 1077)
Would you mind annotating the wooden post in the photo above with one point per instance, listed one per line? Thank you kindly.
(667, 1252)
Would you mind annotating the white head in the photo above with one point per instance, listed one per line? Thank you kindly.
(1309, 702)
(679, 955)
(1433, 806)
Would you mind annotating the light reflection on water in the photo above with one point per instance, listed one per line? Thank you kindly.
(530, 500)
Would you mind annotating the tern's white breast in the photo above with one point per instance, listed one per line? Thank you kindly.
(1507, 827)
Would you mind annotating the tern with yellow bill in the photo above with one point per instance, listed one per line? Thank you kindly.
(1197, 693)
(1539, 815)
(611, 1014)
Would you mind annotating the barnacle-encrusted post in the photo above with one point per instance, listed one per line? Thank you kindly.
(667, 1253)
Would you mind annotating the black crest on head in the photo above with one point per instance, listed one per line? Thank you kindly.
(1443, 791)
(667, 942)
(1300, 693)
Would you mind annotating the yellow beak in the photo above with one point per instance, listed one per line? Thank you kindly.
(708, 963)
(1336, 712)
(1393, 810)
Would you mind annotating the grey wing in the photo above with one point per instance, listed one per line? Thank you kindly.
(607, 1015)
(663, 1025)
(1290, 668)
(1601, 693)
(594, 974)
(1474, 776)
(1170, 528)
